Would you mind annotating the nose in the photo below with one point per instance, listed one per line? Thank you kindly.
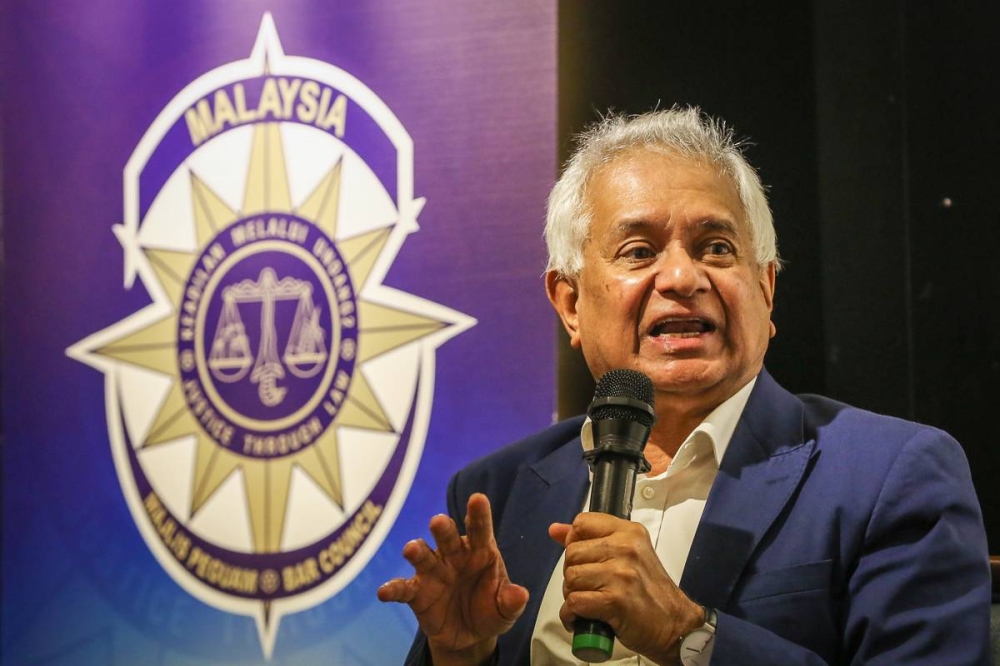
(679, 273)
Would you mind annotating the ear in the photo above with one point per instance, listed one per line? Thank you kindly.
(563, 294)
(768, 277)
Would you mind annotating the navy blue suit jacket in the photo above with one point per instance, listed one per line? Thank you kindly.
(831, 536)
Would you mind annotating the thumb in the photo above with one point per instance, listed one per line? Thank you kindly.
(559, 532)
(511, 601)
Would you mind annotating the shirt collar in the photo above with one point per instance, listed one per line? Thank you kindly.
(718, 427)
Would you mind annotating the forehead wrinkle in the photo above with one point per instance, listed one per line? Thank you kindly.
(708, 224)
(628, 227)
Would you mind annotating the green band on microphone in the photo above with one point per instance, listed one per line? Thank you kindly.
(592, 648)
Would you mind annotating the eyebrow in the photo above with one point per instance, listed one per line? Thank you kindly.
(722, 225)
(716, 224)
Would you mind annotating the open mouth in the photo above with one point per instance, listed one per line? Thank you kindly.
(681, 327)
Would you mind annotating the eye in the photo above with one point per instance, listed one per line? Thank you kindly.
(638, 252)
(720, 248)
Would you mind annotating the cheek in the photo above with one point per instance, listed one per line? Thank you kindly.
(747, 312)
(618, 294)
(609, 312)
(629, 292)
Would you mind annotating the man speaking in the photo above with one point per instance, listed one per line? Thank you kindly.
(770, 529)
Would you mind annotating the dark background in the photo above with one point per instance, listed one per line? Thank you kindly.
(874, 126)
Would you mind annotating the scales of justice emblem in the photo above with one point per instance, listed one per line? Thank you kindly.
(267, 410)
(230, 358)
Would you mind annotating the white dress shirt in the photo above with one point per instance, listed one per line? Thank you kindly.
(669, 505)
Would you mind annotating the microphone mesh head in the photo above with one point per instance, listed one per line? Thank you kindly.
(624, 383)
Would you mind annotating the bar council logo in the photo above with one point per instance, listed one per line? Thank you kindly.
(268, 409)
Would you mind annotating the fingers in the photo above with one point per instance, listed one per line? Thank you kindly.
(478, 529)
(603, 566)
(479, 522)
(596, 537)
(587, 526)
(404, 590)
(585, 577)
(446, 536)
(591, 605)
(420, 556)
(593, 525)
(450, 545)
(400, 590)
(567, 617)
(595, 591)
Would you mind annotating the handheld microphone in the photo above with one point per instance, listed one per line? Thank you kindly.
(621, 416)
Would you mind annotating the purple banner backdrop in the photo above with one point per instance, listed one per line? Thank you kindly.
(447, 122)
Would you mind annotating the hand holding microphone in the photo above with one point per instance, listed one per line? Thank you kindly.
(621, 416)
(612, 573)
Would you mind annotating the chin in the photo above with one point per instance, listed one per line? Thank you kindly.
(684, 376)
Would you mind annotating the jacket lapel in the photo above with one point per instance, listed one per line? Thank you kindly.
(551, 490)
(760, 471)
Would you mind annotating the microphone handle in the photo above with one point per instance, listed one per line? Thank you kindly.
(612, 491)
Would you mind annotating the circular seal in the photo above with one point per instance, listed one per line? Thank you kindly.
(268, 338)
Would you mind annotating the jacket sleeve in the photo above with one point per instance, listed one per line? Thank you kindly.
(919, 591)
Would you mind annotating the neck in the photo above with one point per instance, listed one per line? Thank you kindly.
(668, 434)
(677, 415)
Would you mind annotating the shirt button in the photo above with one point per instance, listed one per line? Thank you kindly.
(648, 492)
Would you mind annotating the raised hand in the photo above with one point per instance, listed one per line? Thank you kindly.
(459, 592)
(612, 573)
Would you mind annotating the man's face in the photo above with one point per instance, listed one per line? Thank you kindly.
(670, 286)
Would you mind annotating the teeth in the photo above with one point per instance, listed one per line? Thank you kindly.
(681, 328)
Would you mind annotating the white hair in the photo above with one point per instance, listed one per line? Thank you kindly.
(681, 131)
